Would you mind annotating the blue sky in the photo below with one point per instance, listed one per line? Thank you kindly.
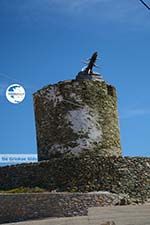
(43, 42)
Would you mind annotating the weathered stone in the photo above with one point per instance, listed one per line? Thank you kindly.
(76, 116)
(84, 173)
(108, 223)
(17, 207)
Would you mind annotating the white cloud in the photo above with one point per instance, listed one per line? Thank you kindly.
(104, 9)
(130, 113)
(118, 11)
(129, 12)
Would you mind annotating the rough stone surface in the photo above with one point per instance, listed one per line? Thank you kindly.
(108, 223)
(83, 173)
(75, 116)
(19, 207)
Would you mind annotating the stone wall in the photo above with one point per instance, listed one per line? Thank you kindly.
(76, 116)
(19, 207)
(83, 173)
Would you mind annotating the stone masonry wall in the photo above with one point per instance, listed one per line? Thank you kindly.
(76, 116)
(83, 173)
(18, 207)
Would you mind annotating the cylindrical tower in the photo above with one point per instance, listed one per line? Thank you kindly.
(77, 116)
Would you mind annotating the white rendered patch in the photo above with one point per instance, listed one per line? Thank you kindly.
(54, 95)
(75, 97)
(84, 121)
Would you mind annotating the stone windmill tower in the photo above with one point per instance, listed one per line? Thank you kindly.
(77, 116)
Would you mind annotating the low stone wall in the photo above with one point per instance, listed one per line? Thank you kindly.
(83, 174)
(19, 207)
